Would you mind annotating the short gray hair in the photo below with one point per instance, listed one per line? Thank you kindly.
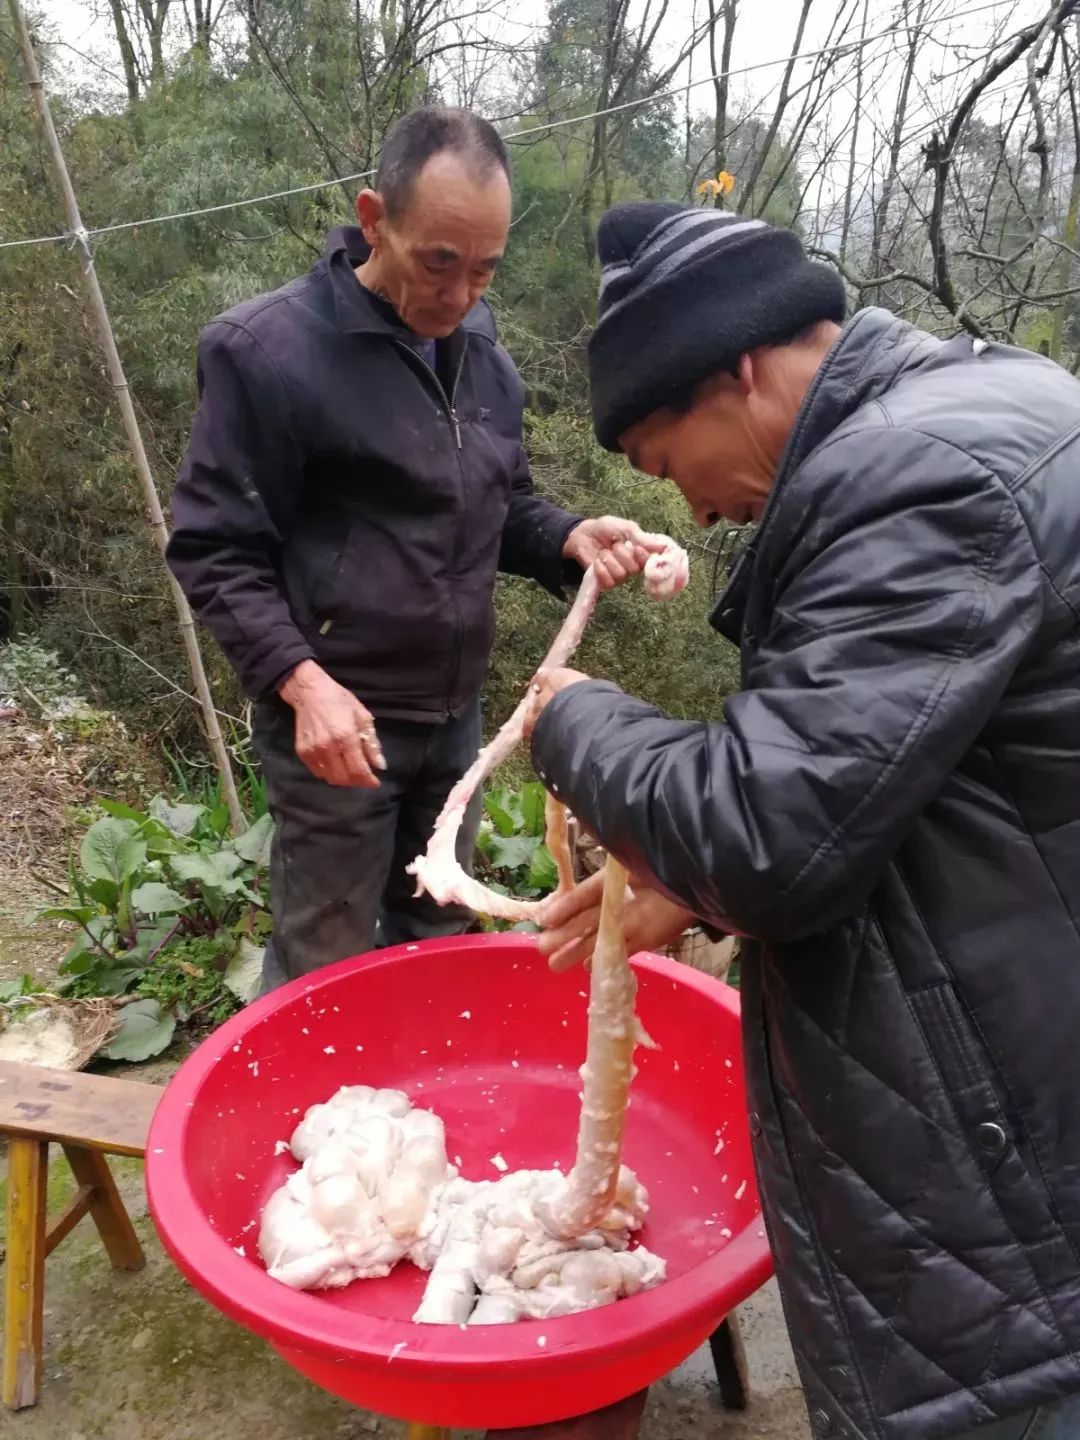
(429, 131)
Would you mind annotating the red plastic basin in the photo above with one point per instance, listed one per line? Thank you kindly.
(478, 1029)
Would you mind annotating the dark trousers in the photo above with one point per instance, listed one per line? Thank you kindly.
(338, 885)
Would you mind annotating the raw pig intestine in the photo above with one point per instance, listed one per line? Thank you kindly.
(438, 872)
(376, 1186)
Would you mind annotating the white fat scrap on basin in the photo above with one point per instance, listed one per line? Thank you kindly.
(376, 1186)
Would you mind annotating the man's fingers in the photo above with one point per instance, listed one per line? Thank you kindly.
(353, 764)
(566, 908)
(609, 571)
(571, 954)
(372, 749)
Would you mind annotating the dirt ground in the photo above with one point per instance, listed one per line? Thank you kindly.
(142, 1357)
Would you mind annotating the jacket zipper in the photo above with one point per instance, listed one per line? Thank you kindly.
(447, 400)
(449, 404)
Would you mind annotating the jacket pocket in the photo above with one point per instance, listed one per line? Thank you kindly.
(982, 1109)
(312, 569)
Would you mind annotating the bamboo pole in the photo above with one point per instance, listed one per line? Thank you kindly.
(100, 315)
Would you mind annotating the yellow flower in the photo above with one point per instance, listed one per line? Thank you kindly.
(723, 184)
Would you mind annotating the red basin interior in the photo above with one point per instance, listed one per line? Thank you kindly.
(477, 1029)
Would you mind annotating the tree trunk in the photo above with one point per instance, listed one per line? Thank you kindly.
(127, 50)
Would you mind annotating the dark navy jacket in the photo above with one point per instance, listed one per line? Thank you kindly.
(341, 501)
(892, 811)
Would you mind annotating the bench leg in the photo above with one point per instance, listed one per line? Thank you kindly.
(24, 1288)
(106, 1208)
(729, 1358)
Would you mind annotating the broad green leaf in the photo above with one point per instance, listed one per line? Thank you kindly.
(543, 872)
(533, 799)
(117, 979)
(105, 892)
(144, 1031)
(131, 855)
(154, 898)
(110, 850)
(254, 845)
(73, 914)
(161, 841)
(500, 817)
(80, 962)
(213, 870)
(244, 971)
(121, 812)
(513, 852)
(181, 819)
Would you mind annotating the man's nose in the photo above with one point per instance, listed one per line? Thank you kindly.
(458, 295)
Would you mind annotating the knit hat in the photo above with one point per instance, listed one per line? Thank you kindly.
(686, 291)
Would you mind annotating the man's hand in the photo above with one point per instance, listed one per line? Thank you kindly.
(618, 548)
(545, 685)
(335, 734)
(651, 922)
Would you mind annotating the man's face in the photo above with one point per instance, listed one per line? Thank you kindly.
(715, 452)
(439, 256)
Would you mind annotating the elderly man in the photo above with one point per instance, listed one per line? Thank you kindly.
(890, 814)
(354, 479)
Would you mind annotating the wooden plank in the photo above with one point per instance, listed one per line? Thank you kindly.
(427, 1432)
(107, 1210)
(93, 1110)
(24, 1284)
(729, 1358)
(76, 1209)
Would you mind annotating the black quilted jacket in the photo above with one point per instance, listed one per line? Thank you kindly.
(892, 811)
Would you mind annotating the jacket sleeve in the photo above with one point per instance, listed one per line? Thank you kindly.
(232, 504)
(534, 535)
(535, 530)
(895, 630)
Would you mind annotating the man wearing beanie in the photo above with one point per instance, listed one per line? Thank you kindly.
(889, 816)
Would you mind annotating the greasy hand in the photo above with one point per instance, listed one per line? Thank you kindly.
(335, 734)
(618, 548)
(545, 685)
(651, 921)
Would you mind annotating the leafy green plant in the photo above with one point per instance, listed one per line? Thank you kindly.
(511, 855)
(162, 901)
(29, 672)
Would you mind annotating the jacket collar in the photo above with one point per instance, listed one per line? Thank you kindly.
(868, 355)
(356, 309)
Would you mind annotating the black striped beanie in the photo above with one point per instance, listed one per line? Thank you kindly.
(686, 291)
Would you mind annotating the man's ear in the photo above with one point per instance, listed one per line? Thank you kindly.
(747, 377)
(371, 215)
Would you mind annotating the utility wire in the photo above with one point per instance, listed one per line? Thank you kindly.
(529, 133)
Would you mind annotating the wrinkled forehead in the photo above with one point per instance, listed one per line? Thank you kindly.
(457, 211)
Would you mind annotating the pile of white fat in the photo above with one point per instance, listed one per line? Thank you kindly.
(375, 1187)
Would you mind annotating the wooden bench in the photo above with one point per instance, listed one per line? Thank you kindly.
(90, 1117)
